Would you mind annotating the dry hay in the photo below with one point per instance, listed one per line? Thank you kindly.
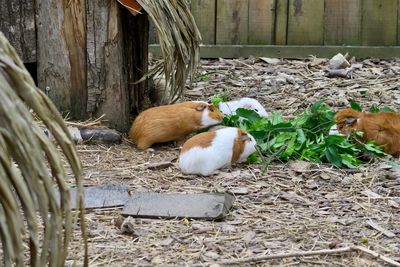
(294, 206)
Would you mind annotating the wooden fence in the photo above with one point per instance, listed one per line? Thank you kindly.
(229, 27)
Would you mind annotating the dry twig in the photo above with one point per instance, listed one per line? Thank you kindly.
(308, 253)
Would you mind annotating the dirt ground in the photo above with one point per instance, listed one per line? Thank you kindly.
(294, 206)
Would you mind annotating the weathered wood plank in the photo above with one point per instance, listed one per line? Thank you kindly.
(107, 75)
(203, 12)
(102, 196)
(232, 22)
(295, 51)
(211, 206)
(61, 48)
(281, 13)
(305, 22)
(379, 22)
(342, 22)
(261, 21)
(17, 22)
(74, 29)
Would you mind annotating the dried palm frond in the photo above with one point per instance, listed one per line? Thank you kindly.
(35, 208)
(179, 41)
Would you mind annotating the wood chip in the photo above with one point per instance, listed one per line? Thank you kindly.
(159, 165)
(380, 229)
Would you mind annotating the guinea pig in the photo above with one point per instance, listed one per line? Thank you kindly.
(172, 122)
(382, 127)
(230, 107)
(207, 152)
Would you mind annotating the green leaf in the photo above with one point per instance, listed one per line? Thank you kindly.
(218, 98)
(363, 91)
(316, 106)
(248, 114)
(332, 156)
(387, 109)
(276, 118)
(354, 105)
(254, 158)
(374, 149)
(373, 109)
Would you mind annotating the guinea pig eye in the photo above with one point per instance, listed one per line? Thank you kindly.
(211, 108)
(256, 110)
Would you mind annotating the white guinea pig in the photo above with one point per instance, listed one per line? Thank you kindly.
(230, 107)
(209, 151)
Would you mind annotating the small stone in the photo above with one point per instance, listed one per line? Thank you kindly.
(227, 228)
(157, 260)
(338, 62)
(166, 242)
(211, 255)
(127, 226)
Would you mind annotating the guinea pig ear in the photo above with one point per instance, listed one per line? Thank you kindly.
(244, 137)
(201, 107)
(248, 106)
(350, 120)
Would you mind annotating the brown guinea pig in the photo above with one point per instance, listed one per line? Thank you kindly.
(172, 122)
(382, 127)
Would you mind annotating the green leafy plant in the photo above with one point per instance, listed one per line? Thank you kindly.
(305, 137)
(216, 99)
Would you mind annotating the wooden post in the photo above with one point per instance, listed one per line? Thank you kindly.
(61, 32)
(17, 22)
(89, 54)
(117, 57)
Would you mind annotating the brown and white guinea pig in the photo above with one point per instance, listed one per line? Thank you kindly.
(382, 127)
(207, 152)
(172, 122)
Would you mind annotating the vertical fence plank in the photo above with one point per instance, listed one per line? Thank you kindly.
(379, 26)
(398, 23)
(261, 21)
(204, 14)
(305, 22)
(232, 22)
(342, 22)
(281, 20)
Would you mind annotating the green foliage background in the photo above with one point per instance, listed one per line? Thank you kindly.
(304, 137)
